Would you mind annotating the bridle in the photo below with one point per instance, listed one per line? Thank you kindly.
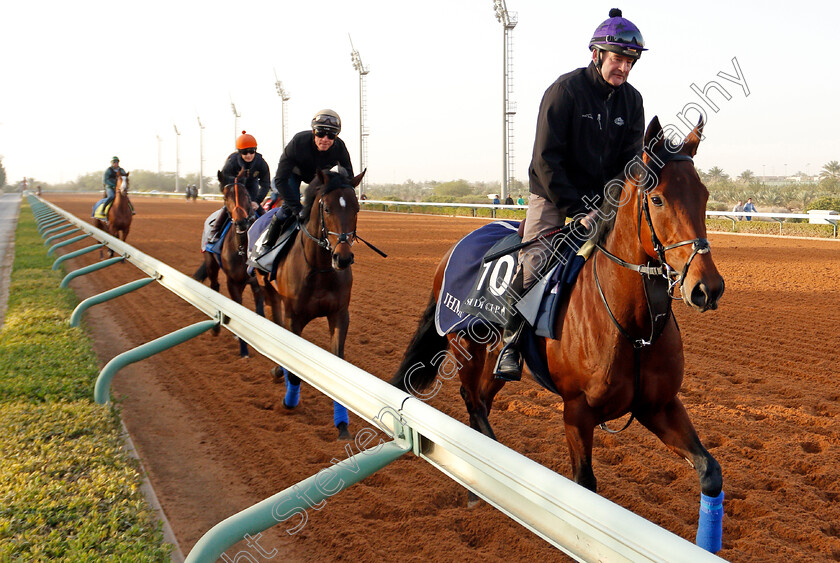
(241, 226)
(654, 277)
(323, 238)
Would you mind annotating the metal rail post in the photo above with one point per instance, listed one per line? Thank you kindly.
(295, 500)
(70, 255)
(88, 269)
(76, 317)
(101, 391)
(59, 235)
(65, 243)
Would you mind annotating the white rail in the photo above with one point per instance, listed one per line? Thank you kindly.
(584, 525)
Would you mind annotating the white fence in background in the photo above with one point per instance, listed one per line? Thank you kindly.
(577, 521)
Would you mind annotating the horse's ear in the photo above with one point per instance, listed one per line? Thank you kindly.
(693, 140)
(221, 177)
(653, 136)
(322, 177)
(358, 179)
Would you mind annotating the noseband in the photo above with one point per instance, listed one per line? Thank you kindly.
(323, 239)
(241, 226)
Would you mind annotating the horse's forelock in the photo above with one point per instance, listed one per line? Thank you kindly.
(335, 181)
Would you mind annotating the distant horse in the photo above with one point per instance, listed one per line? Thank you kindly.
(119, 215)
(619, 349)
(234, 250)
(314, 278)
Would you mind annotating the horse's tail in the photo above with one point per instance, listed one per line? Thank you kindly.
(201, 273)
(416, 371)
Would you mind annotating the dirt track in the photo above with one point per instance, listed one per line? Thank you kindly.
(761, 388)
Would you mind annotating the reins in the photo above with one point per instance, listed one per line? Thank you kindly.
(652, 276)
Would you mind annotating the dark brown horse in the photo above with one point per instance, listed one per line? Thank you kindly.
(119, 215)
(314, 278)
(619, 349)
(234, 250)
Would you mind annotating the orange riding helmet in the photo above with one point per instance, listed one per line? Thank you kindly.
(245, 141)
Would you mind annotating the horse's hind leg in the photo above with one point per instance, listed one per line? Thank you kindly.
(478, 389)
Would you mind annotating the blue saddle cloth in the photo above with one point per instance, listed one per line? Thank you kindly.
(474, 292)
(215, 247)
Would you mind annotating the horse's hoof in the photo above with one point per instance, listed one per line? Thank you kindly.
(288, 406)
(245, 357)
(343, 432)
(277, 374)
(472, 500)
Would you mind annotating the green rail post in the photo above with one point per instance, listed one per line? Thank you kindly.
(49, 220)
(89, 269)
(101, 391)
(65, 243)
(62, 224)
(295, 500)
(70, 255)
(76, 317)
(59, 235)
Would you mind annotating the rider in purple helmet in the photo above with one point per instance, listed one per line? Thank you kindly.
(590, 125)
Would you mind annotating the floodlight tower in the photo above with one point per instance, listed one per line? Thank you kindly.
(508, 21)
(284, 97)
(236, 116)
(363, 132)
(177, 156)
(201, 156)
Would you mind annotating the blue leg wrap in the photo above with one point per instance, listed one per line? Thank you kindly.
(292, 392)
(710, 524)
(340, 414)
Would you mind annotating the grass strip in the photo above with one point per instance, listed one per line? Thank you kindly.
(68, 489)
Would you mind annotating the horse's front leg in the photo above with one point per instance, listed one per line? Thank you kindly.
(672, 425)
(235, 290)
(339, 322)
(580, 428)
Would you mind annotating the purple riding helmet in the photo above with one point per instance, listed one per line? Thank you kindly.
(618, 35)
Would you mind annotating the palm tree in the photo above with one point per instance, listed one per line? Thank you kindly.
(717, 175)
(831, 171)
(747, 177)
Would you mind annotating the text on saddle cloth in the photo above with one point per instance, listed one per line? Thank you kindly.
(474, 291)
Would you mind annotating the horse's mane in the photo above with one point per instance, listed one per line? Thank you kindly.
(608, 211)
(335, 180)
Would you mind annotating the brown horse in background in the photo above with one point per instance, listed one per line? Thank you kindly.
(234, 250)
(619, 349)
(314, 278)
(119, 215)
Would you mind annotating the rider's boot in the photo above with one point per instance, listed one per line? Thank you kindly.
(509, 364)
(275, 228)
(218, 225)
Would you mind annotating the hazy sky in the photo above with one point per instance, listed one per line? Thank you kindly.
(87, 80)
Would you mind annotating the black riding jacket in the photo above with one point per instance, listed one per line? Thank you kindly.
(259, 175)
(303, 158)
(587, 131)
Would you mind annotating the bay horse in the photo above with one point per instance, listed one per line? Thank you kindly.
(119, 214)
(314, 278)
(619, 349)
(234, 250)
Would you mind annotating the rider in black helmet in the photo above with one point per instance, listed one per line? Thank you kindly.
(308, 151)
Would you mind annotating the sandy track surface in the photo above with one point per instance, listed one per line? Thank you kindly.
(761, 387)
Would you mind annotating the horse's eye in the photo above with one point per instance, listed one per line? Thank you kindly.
(656, 200)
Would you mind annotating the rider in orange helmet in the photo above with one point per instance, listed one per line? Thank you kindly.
(258, 180)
